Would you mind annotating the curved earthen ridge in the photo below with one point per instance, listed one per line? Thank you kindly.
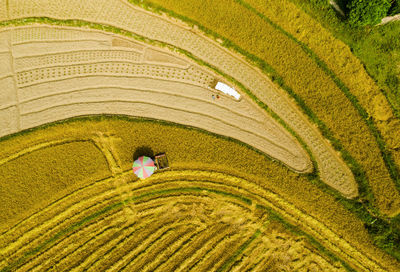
(64, 72)
(125, 16)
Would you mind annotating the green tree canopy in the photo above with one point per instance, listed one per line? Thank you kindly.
(367, 12)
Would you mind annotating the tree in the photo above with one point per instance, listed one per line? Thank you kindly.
(367, 12)
(395, 8)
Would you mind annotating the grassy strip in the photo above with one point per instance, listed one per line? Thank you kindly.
(242, 248)
(387, 157)
(120, 204)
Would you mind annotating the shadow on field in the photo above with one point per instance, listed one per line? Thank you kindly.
(143, 151)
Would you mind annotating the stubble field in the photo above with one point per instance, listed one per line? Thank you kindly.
(297, 175)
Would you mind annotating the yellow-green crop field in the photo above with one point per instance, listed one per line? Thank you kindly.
(209, 189)
(323, 99)
(301, 173)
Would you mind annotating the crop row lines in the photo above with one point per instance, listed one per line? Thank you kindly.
(107, 245)
(62, 248)
(157, 248)
(137, 245)
(193, 184)
(355, 149)
(171, 252)
(190, 248)
(75, 57)
(250, 256)
(55, 224)
(332, 158)
(53, 209)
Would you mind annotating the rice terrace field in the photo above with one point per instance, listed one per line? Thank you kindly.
(295, 168)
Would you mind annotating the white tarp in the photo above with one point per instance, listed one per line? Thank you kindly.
(227, 90)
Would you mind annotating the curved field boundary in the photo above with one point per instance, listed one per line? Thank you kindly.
(388, 197)
(118, 243)
(281, 180)
(178, 182)
(41, 100)
(328, 162)
(357, 99)
(354, 98)
(53, 256)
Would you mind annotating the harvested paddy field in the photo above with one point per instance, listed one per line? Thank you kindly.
(108, 74)
(273, 177)
(128, 18)
(103, 214)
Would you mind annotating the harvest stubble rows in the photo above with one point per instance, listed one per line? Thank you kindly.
(332, 170)
(179, 203)
(107, 83)
(213, 182)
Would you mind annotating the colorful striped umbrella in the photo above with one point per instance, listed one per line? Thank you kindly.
(143, 167)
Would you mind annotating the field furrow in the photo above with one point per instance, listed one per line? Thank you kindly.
(86, 253)
(190, 248)
(74, 57)
(197, 254)
(118, 259)
(181, 37)
(106, 245)
(249, 257)
(172, 251)
(42, 238)
(63, 248)
(62, 67)
(55, 224)
(52, 210)
(221, 253)
(123, 68)
(157, 248)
